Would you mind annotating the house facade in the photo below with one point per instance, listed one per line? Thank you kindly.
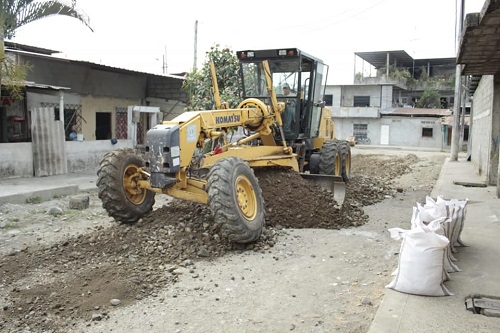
(381, 107)
(99, 102)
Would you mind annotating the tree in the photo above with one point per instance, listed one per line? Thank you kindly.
(17, 13)
(198, 83)
(429, 100)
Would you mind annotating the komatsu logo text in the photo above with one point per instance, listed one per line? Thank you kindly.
(235, 118)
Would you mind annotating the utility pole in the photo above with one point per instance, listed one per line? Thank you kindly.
(464, 103)
(455, 135)
(195, 44)
(165, 61)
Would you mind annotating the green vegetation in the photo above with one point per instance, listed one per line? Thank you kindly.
(34, 200)
(198, 84)
(429, 100)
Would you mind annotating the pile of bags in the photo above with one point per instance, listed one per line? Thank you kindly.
(426, 255)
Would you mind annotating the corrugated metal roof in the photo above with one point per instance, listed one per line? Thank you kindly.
(29, 48)
(94, 65)
(379, 58)
(44, 86)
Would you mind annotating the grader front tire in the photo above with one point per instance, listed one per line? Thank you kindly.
(236, 200)
(117, 182)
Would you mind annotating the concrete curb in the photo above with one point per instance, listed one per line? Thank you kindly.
(43, 195)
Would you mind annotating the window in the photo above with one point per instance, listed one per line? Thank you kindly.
(329, 100)
(72, 116)
(360, 131)
(427, 132)
(361, 101)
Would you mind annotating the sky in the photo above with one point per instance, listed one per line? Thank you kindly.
(147, 35)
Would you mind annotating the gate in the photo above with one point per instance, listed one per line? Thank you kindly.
(49, 150)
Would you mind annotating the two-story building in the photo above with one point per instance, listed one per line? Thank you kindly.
(382, 105)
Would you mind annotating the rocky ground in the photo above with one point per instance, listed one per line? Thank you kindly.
(317, 267)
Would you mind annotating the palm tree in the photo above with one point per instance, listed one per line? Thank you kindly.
(16, 13)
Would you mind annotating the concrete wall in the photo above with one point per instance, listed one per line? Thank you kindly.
(343, 127)
(482, 115)
(86, 78)
(386, 96)
(16, 159)
(35, 98)
(348, 93)
(166, 88)
(86, 155)
(495, 135)
(355, 112)
(403, 131)
(336, 92)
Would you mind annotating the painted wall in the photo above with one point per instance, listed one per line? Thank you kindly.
(403, 131)
(93, 104)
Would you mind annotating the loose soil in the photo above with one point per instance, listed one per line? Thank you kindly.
(317, 267)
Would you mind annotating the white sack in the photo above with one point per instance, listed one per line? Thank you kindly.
(458, 211)
(440, 226)
(420, 270)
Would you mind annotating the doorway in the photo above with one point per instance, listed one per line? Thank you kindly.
(384, 134)
(103, 125)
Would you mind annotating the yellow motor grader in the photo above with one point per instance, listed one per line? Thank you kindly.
(282, 122)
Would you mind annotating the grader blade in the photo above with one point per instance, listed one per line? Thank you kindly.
(335, 184)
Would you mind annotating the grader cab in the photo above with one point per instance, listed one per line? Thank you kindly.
(191, 157)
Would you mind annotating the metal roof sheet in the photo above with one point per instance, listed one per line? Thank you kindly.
(378, 59)
(44, 86)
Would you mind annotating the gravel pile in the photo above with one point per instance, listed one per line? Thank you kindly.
(48, 289)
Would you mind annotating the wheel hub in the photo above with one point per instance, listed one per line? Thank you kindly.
(134, 193)
(246, 198)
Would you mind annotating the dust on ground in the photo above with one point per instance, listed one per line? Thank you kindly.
(55, 281)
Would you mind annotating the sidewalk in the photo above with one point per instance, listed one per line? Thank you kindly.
(405, 313)
(19, 190)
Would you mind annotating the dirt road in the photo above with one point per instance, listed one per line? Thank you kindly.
(76, 271)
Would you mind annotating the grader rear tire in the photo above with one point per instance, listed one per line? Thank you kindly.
(329, 160)
(345, 157)
(236, 200)
(117, 179)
